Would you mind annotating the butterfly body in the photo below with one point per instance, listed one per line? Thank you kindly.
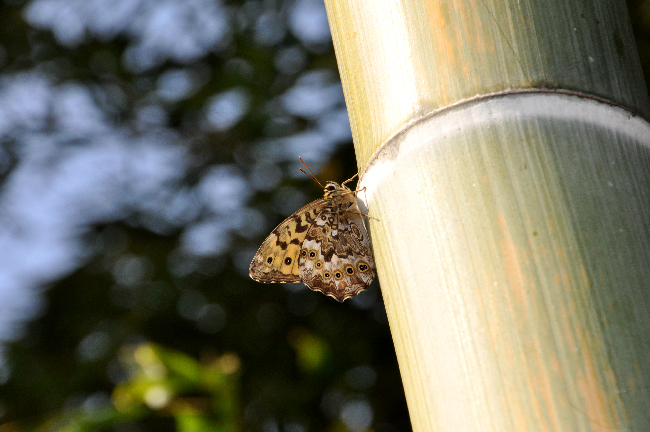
(324, 245)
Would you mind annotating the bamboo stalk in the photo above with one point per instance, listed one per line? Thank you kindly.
(512, 230)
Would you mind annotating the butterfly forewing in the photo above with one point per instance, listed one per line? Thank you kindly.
(277, 258)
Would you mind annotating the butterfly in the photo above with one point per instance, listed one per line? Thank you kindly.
(323, 245)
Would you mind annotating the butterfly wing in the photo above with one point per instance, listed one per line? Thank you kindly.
(277, 258)
(336, 257)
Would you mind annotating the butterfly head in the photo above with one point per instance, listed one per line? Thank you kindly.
(333, 189)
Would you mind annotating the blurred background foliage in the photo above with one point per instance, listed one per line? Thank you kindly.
(146, 149)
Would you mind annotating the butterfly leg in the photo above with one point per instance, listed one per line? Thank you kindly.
(353, 192)
(350, 179)
(363, 214)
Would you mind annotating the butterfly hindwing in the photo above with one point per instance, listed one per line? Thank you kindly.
(336, 258)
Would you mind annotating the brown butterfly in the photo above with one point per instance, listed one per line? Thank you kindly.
(323, 245)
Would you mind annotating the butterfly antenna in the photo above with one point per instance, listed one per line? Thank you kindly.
(312, 176)
(350, 179)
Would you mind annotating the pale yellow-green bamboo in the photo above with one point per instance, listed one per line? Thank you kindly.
(401, 59)
(511, 231)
